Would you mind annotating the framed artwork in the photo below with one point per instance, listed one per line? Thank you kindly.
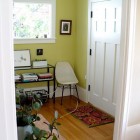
(65, 27)
(22, 58)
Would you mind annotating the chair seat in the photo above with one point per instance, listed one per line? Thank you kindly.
(67, 81)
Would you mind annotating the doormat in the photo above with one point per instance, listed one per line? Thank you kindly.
(91, 116)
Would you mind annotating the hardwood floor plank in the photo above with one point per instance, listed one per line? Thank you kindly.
(72, 128)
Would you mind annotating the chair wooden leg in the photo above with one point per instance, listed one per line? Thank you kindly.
(77, 93)
(62, 94)
(70, 90)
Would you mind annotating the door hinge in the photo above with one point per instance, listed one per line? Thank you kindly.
(91, 14)
(90, 52)
(88, 87)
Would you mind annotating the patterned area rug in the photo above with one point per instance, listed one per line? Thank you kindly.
(91, 116)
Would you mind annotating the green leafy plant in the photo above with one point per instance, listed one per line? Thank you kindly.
(25, 107)
(52, 126)
(27, 113)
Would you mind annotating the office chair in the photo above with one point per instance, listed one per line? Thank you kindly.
(65, 77)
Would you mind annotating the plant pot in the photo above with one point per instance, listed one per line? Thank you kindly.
(37, 64)
(23, 131)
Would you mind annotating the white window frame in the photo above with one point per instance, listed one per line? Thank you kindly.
(40, 40)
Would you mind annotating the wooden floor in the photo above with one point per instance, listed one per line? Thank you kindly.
(71, 128)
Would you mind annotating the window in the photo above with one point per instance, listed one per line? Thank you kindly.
(34, 21)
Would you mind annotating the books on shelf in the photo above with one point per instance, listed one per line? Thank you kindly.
(30, 77)
(45, 76)
(27, 77)
(17, 77)
(45, 79)
(28, 80)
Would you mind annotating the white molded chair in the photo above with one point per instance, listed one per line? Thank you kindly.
(65, 77)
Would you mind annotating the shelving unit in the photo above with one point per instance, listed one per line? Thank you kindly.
(48, 69)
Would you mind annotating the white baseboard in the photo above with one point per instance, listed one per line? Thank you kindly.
(133, 132)
(58, 92)
(81, 93)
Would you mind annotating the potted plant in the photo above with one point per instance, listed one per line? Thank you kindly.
(27, 107)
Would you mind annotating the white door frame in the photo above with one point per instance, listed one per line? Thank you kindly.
(126, 67)
(126, 58)
(8, 129)
(7, 101)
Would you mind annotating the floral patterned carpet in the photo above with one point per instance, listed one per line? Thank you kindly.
(91, 115)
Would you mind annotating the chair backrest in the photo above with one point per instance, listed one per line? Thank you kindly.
(64, 73)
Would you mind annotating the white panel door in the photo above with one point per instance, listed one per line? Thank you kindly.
(104, 60)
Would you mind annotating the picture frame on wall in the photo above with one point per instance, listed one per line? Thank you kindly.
(22, 58)
(65, 27)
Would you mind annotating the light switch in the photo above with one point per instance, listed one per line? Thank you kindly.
(39, 51)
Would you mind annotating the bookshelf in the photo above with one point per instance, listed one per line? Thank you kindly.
(49, 70)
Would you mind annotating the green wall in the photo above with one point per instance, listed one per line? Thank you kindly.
(81, 41)
(72, 47)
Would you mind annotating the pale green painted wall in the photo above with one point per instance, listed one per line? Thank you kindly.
(72, 48)
(81, 41)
